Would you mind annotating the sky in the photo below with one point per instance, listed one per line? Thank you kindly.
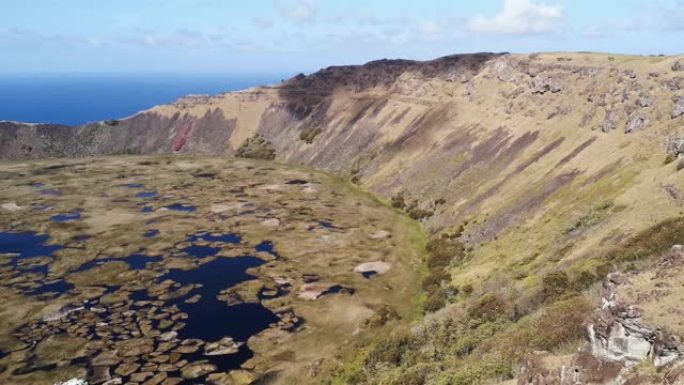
(291, 36)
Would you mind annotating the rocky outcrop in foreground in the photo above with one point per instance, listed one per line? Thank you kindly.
(618, 342)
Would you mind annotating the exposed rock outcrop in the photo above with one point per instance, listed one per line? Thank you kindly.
(617, 341)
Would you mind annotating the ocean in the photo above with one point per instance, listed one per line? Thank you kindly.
(78, 99)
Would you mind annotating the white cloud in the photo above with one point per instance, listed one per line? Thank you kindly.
(520, 17)
(430, 30)
(300, 11)
(262, 22)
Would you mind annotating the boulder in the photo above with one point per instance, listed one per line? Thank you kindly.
(610, 121)
(380, 234)
(678, 66)
(543, 83)
(678, 107)
(636, 122)
(11, 206)
(73, 381)
(371, 268)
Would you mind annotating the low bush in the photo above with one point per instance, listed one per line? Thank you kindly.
(256, 147)
(411, 376)
(383, 315)
(653, 241)
(435, 279)
(669, 158)
(554, 285)
(309, 134)
(389, 350)
(436, 299)
(418, 213)
(467, 290)
(443, 251)
(398, 201)
(488, 307)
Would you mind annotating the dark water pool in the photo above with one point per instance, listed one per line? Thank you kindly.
(66, 217)
(146, 194)
(267, 246)
(135, 261)
(181, 207)
(225, 238)
(199, 251)
(238, 321)
(297, 181)
(26, 244)
(50, 192)
(151, 233)
(133, 185)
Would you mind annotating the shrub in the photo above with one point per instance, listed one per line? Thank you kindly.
(561, 323)
(670, 158)
(653, 241)
(398, 201)
(467, 289)
(383, 315)
(411, 376)
(309, 134)
(583, 280)
(436, 300)
(435, 279)
(554, 285)
(111, 122)
(442, 251)
(256, 147)
(488, 307)
(417, 213)
(389, 350)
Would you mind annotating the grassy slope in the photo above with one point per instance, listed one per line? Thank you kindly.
(539, 183)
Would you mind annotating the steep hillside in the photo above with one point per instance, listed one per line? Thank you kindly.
(538, 164)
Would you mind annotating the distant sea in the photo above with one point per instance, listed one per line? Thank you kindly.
(78, 99)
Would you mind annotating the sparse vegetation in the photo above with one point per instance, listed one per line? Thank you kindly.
(443, 252)
(309, 134)
(653, 241)
(669, 158)
(398, 201)
(417, 213)
(591, 218)
(554, 285)
(256, 147)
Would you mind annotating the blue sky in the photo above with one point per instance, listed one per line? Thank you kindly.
(266, 36)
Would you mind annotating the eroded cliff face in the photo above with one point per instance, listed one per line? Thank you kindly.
(485, 133)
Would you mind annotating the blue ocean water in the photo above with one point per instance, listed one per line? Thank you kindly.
(78, 99)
